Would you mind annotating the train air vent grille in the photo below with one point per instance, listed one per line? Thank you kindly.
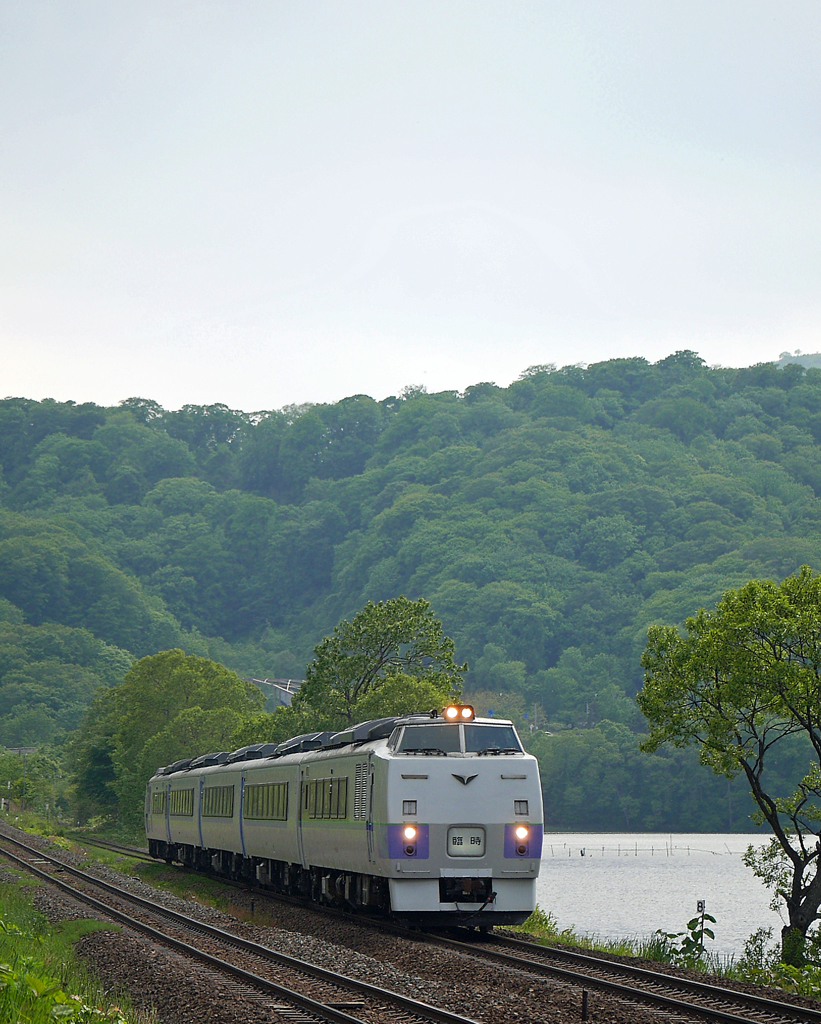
(360, 793)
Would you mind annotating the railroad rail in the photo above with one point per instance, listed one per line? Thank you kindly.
(381, 999)
(137, 852)
(718, 1003)
(670, 993)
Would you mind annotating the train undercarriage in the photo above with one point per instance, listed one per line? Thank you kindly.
(330, 887)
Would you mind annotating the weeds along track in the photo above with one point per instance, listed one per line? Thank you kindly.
(547, 979)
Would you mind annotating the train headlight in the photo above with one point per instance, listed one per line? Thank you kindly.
(521, 832)
(458, 713)
(410, 835)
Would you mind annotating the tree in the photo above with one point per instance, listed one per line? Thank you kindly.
(183, 703)
(384, 641)
(157, 688)
(741, 684)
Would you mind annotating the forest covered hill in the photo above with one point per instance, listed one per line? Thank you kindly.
(549, 523)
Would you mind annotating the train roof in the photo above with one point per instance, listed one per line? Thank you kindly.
(364, 732)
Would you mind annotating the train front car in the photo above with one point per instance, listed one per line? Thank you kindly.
(461, 838)
(433, 818)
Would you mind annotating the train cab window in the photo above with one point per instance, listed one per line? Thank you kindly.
(430, 739)
(491, 739)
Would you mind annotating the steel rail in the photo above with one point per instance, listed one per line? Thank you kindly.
(785, 1011)
(415, 1007)
(765, 1003)
(321, 1011)
(108, 844)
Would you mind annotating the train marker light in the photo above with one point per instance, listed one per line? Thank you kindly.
(521, 832)
(409, 832)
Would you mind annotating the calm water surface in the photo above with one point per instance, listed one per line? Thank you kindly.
(630, 884)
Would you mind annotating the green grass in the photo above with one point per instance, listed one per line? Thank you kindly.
(41, 978)
(759, 964)
(543, 926)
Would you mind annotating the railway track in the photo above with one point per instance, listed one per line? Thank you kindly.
(674, 997)
(374, 1004)
(668, 992)
(137, 852)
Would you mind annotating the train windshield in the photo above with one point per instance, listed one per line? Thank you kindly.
(491, 739)
(436, 739)
(430, 739)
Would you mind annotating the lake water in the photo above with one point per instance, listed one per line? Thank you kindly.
(630, 884)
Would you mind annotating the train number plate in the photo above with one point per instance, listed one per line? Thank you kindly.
(464, 841)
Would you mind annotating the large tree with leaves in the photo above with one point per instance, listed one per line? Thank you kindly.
(743, 684)
(169, 705)
(388, 659)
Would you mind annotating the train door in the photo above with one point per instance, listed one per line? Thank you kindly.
(371, 845)
(300, 849)
(168, 812)
(242, 813)
(199, 813)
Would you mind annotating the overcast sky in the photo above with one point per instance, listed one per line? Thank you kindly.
(265, 203)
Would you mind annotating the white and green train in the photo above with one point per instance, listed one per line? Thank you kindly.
(434, 818)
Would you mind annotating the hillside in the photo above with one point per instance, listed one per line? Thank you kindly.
(548, 523)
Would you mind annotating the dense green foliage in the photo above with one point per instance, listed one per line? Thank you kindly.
(392, 658)
(743, 683)
(548, 523)
(168, 706)
(385, 641)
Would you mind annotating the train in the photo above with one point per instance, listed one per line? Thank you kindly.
(434, 818)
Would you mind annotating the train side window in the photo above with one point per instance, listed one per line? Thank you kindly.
(158, 801)
(181, 802)
(327, 798)
(218, 802)
(268, 802)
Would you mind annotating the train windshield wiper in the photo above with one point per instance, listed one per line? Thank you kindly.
(423, 750)
(497, 750)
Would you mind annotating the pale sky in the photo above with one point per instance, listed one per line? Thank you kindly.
(265, 203)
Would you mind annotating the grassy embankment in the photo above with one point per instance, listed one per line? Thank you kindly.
(41, 978)
(759, 964)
